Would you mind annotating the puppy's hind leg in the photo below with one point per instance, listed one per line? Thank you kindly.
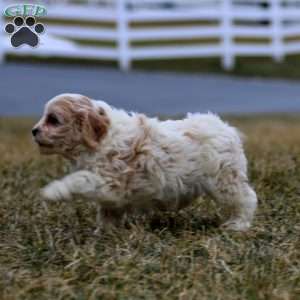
(233, 193)
(243, 207)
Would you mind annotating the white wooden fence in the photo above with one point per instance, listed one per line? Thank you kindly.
(166, 29)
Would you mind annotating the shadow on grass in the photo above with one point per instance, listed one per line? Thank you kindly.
(176, 223)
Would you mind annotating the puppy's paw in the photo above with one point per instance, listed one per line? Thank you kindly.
(55, 191)
(236, 224)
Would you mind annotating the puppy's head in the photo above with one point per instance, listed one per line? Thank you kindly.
(71, 123)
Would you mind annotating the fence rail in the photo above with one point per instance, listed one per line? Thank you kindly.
(128, 30)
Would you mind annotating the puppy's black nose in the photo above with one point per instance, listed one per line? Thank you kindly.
(35, 131)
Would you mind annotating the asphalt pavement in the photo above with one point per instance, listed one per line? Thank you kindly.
(25, 88)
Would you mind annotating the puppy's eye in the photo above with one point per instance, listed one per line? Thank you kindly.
(52, 120)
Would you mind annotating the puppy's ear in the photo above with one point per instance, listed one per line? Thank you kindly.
(94, 125)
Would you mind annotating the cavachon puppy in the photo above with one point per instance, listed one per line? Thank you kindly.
(127, 161)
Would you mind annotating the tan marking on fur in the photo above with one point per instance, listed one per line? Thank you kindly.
(136, 150)
(190, 135)
(93, 122)
(82, 125)
(94, 127)
(138, 143)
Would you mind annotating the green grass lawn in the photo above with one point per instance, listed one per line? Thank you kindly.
(51, 252)
(263, 67)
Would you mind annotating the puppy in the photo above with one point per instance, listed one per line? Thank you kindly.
(129, 161)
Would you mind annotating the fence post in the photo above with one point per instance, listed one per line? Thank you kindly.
(2, 34)
(228, 58)
(276, 23)
(123, 41)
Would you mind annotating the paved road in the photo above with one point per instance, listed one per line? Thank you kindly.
(25, 89)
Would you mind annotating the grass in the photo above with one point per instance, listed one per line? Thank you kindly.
(51, 252)
(263, 67)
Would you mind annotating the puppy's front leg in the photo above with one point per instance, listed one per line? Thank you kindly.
(82, 183)
(108, 219)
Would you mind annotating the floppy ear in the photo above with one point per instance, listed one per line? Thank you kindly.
(94, 125)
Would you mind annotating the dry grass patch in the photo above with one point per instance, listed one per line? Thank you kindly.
(51, 252)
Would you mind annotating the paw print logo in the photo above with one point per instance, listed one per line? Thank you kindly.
(24, 31)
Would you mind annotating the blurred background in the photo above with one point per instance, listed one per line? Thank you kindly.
(158, 56)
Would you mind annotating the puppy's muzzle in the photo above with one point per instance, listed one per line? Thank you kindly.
(35, 131)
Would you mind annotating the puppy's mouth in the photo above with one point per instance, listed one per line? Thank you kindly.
(43, 144)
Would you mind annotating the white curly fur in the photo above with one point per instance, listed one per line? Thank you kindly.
(143, 163)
